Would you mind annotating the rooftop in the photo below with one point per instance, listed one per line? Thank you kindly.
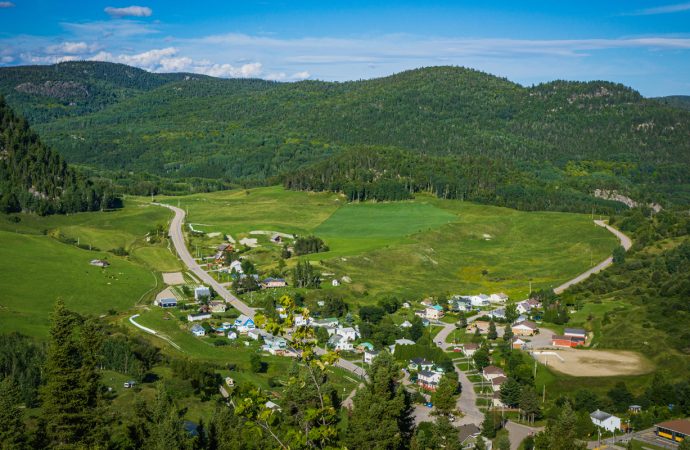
(600, 415)
(679, 425)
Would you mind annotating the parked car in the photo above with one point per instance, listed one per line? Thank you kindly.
(429, 405)
(130, 384)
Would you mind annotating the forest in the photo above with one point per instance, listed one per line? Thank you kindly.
(34, 178)
(565, 138)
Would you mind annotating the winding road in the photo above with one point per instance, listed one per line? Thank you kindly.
(177, 237)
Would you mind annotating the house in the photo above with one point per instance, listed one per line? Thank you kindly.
(202, 292)
(274, 344)
(605, 420)
(420, 364)
(348, 333)
(428, 380)
(434, 313)
(400, 342)
(406, 324)
(420, 313)
(198, 330)
(331, 322)
(406, 305)
(236, 266)
(469, 348)
(230, 382)
(673, 430)
(217, 306)
(481, 325)
(270, 283)
(198, 317)
(499, 313)
(496, 401)
(244, 324)
(339, 343)
(301, 321)
(498, 298)
(491, 372)
(99, 263)
(635, 409)
(497, 382)
(526, 306)
(232, 335)
(166, 302)
(369, 356)
(459, 303)
(254, 334)
(525, 328)
(565, 341)
(335, 283)
(518, 343)
(479, 300)
(468, 434)
(578, 335)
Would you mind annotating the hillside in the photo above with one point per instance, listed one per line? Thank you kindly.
(562, 135)
(677, 101)
(34, 178)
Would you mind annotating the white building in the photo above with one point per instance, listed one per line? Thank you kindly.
(198, 317)
(369, 356)
(479, 300)
(605, 420)
(406, 324)
(237, 266)
(348, 333)
(202, 292)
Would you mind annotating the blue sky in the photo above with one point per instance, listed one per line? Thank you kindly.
(645, 45)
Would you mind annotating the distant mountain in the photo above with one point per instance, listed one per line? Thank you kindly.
(557, 136)
(34, 178)
(677, 101)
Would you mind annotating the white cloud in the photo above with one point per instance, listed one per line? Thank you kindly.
(6, 59)
(74, 48)
(667, 9)
(29, 58)
(7, 5)
(129, 11)
(227, 70)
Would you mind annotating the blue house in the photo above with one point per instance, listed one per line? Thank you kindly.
(198, 330)
(244, 324)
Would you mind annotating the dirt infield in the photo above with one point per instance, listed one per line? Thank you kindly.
(595, 363)
(173, 278)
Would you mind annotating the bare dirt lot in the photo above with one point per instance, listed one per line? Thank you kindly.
(595, 363)
(173, 278)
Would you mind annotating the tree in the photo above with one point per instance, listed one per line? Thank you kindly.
(511, 312)
(561, 434)
(462, 323)
(255, 364)
(12, 430)
(510, 392)
(620, 396)
(508, 333)
(304, 276)
(492, 334)
(530, 404)
(380, 417)
(416, 331)
(167, 425)
(444, 396)
(619, 255)
(503, 443)
(481, 357)
(490, 425)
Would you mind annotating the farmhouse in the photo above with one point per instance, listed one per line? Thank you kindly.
(348, 333)
(269, 283)
(99, 263)
(525, 328)
(428, 380)
(166, 302)
(479, 300)
(673, 430)
(198, 317)
(491, 372)
(605, 420)
(244, 324)
(198, 330)
(202, 292)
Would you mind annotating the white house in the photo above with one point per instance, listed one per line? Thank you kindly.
(369, 356)
(244, 324)
(470, 348)
(434, 312)
(491, 372)
(498, 298)
(217, 306)
(335, 283)
(339, 343)
(428, 380)
(497, 382)
(605, 420)
(198, 317)
(348, 333)
(479, 300)
(528, 305)
(254, 333)
(406, 324)
(300, 321)
(198, 330)
(325, 323)
(166, 302)
(232, 335)
(420, 364)
(236, 266)
(202, 292)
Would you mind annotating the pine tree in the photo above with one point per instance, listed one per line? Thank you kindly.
(529, 403)
(508, 333)
(12, 430)
(444, 396)
(381, 415)
(167, 430)
(492, 334)
(510, 392)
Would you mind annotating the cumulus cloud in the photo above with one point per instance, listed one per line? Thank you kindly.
(227, 70)
(6, 5)
(73, 48)
(129, 11)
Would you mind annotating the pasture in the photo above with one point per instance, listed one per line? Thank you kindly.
(416, 248)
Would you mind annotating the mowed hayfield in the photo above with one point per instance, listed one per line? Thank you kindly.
(414, 248)
(36, 268)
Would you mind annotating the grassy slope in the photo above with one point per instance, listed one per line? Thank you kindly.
(36, 269)
(419, 247)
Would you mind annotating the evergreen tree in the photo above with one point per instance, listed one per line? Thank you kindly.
(508, 333)
(503, 443)
(481, 357)
(444, 396)
(12, 430)
(492, 334)
(530, 404)
(510, 392)
(167, 430)
(511, 312)
(381, 409)
(561, 434)
(490, 424)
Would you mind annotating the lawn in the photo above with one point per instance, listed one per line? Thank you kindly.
(36, 270)
(416, 248)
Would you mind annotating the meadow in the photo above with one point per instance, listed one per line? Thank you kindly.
(412, 248)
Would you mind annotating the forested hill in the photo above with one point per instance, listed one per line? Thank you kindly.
(34, 178)
(677, 101)
(562, 135)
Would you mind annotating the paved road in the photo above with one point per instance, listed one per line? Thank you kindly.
(625, 242)
(518, 432)
(177, 237)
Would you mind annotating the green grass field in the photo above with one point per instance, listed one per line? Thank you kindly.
(414, 248)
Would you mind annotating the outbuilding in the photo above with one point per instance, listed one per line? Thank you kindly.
(673, 430)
